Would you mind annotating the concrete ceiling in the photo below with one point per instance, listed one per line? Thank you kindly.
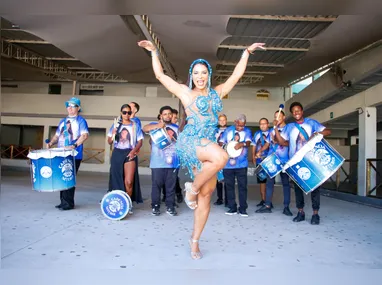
(107, 43)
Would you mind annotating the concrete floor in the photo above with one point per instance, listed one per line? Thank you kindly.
(35, 235)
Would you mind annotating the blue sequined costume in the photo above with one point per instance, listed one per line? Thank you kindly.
(202, 122)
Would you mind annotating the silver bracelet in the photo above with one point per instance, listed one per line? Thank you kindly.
(154, 53)
(244, 52)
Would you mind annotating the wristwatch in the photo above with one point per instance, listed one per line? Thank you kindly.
(75, 145)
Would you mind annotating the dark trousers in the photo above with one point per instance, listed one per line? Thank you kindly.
(67, 196)
(163, 177)
(219, 188)
(178, 190)
(229, 177)
(315, 196)
(270, 186)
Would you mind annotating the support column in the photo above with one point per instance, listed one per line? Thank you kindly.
(74, 87)
(107, 150)
(367, 147)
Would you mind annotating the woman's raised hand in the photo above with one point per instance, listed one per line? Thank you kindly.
(254, 46)
(147, 45)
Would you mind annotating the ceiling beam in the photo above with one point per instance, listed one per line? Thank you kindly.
(286, 18)
(147, 31)
(247, 72)
(268, 64)
(18, 41)
(81, 68)
(53, 69)
(62, 58)
(266, 48)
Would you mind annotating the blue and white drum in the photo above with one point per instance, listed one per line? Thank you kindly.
(271, 165)
(160, 138)
(312, 166)
(115, 205)
(260, 172)
(53, 169)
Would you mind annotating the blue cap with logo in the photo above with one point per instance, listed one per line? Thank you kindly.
(74, 100)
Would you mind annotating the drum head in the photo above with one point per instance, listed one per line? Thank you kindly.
(232, 152)
(115, 205)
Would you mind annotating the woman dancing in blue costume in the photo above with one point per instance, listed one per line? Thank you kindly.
(196, 145)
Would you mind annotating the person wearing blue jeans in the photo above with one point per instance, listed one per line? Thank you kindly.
(281, 150)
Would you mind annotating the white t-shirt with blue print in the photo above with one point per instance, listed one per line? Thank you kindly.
(165, 157)
(296, 140)
(129, 135)
(69, 130)
(231, 134)
(282, 152)
(259, 140)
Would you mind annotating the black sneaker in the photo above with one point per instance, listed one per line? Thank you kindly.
(179, 198)
(315, 219)
(264, 209)
(155, 211)
(262, 203)
(231, 212)
(60, 206)
(287, 212)
(243, 213)
(171, 211)
(300, 217)
(218, 202)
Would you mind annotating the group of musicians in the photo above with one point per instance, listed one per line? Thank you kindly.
(285, 140)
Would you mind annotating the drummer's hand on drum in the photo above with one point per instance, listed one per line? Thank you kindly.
(258, 154)
(238, 145)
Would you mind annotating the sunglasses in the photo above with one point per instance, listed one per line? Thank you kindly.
(126, 112)
(72, 105)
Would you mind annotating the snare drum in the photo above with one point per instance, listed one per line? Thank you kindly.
(230, 149)
(53, 169)
(271, 165)
(160, 138)
(260, 172)
(313, 164)
(115, 205)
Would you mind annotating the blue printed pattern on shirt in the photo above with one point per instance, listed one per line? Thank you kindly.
(68, 134)
(231, 134)
(296, 140)
(165, 158)
(259, 143)
(129, 135)
(282, 152)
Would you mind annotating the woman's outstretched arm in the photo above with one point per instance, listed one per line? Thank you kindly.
(226, 87)
(179, 90)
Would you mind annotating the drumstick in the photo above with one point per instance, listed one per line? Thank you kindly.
(281, 107)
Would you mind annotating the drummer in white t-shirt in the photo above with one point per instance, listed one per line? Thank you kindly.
(292, 133)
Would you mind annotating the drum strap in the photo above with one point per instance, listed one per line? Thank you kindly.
(302, 131)
(261, 138)
(66, 134)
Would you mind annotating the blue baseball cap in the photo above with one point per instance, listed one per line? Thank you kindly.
(74, 100)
